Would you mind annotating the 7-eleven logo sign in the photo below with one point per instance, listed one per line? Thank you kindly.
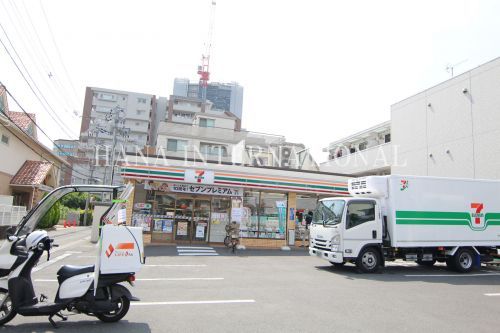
(477, 213)
(199, 175)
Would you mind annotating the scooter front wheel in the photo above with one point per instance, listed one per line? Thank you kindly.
(122, 306)
(7, 313)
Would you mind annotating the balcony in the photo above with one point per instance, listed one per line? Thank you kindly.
(373, 160)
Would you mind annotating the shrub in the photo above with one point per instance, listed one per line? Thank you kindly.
(52, 217)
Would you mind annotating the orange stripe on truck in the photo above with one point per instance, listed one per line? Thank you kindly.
(125, 246)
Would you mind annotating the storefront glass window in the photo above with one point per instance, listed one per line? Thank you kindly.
(249, 223)
(272, 215)
(264, 215)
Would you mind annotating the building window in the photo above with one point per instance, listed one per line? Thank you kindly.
(141, 100)
(213, 149)
(205, 122)
(107, 97)
(5, 139)
(137, 123)
(140, 112)
(387, 138)
(176, 145)
(352, 150)
(362, 145)
(264, 215)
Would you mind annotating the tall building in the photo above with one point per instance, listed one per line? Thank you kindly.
(111, 118)
(224, 96)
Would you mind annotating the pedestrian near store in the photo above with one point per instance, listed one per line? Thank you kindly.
(305, 234)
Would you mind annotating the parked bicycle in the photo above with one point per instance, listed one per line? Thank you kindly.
(232, 238)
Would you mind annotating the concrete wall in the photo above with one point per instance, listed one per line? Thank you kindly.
(451, 129)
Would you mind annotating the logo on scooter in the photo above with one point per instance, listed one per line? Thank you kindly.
(122, 250)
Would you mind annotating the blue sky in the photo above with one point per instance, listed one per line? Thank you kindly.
(314, 71)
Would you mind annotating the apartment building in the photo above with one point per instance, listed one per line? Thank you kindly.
(193, 129)
(368, 152)
(449, 130)
(111, 118)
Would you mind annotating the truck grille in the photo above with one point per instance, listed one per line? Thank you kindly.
(321, 244)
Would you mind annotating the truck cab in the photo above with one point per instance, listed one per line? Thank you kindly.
(345, 229)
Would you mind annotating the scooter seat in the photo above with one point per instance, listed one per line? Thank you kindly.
(67, 271)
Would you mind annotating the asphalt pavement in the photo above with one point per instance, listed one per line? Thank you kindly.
(210, 289)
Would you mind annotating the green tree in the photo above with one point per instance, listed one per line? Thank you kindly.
(75, 200)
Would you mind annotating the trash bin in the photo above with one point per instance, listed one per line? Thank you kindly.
(291, 237)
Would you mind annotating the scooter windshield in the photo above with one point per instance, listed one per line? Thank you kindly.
(34, 216)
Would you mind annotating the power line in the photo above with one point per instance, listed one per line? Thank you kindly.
(57, 49)
(33, 121)
(31, 148)
(49, 62)
(35, 59)
(34, 83)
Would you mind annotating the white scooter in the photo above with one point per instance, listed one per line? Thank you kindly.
(109, 301)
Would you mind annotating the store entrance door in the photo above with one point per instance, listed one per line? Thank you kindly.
(192, 215)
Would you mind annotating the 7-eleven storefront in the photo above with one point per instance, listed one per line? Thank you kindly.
(192, 205)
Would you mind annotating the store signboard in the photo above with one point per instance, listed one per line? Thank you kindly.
(141, 205)
(199, 176)
(182, 228)
(203, 189)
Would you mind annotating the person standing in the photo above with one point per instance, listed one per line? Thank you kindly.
(308, 219)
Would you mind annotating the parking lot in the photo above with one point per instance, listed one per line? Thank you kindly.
(203, 289)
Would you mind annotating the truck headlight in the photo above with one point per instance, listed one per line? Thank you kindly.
(335, 239)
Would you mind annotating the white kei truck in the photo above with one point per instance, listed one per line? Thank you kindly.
(414, 218)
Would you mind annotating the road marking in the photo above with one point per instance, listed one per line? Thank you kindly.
(175, 265)
(87, 256)
(196, 251)
(50, 262)
(452, 275)
(195, 247)
(229, 301)
(201, 251)
(180, 279)
(495, 294)
(153, 279)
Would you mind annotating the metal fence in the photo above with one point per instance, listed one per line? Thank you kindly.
(11, 215)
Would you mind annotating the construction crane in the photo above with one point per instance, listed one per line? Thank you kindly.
(204, 68)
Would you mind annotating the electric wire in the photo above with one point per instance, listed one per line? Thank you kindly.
(34, 84)
(33, 121)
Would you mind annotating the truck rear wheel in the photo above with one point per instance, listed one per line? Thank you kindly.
(368, 260)
(463, 260)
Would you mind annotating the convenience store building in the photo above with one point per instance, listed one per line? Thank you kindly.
(190, 203)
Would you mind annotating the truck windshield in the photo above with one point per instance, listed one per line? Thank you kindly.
(328, 212)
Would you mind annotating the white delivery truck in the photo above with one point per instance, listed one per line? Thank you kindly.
(423, 219)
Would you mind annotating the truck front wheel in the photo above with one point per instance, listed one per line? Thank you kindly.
(368, 260)
(463, 260)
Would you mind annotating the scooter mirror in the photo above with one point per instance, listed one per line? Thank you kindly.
(12, 238)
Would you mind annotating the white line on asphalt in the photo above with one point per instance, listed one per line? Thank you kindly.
(495, 294)
(153, 279)
(50, 262)
(195, 247)
(195, 302)
(198, 254)
(87, 256)
(175, 265)
(451, 275)
(182, 250)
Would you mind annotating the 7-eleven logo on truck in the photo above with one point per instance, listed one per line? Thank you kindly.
(477, 214)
